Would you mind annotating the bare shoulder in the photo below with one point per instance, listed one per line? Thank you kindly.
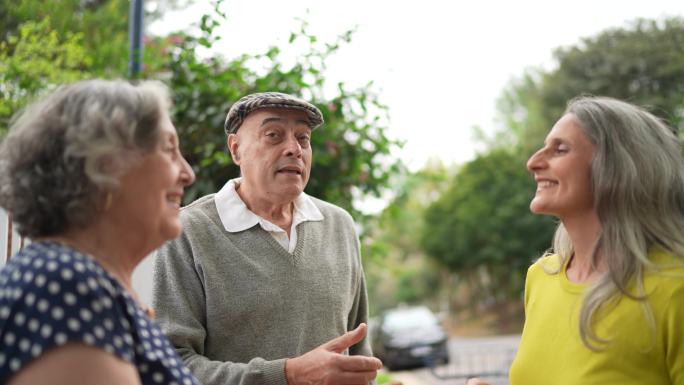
(76, 363)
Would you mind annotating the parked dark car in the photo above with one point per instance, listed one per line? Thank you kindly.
(410, 337)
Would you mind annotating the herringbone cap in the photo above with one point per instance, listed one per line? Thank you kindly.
(247, 104)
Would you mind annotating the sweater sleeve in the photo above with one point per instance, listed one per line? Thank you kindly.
(359, 311)
(179, 301)
(360, 315)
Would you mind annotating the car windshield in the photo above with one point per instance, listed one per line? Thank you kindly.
(408, 319)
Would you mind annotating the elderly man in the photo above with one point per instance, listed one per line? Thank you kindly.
(266, 286)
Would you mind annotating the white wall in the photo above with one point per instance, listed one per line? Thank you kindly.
(3, 238)
(142, 279)
(142, 276)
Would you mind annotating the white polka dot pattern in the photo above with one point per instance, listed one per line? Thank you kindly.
(51, 294)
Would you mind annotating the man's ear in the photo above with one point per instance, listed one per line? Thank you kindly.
(233, 144)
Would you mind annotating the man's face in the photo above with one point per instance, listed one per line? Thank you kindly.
(273, 149)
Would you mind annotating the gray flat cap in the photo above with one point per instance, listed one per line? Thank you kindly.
(246, 104)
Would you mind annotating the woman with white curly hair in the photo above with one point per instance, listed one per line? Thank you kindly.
(94, 176)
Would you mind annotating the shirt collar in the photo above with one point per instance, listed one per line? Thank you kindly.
(235, 216)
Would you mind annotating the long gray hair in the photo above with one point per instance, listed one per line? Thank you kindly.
(63, 154)
(637, 178)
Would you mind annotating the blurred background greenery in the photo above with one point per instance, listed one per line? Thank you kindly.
(457, 238)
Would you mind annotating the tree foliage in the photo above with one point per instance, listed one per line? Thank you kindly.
(642, 63)
(37, 59)
(481, 226)
(396, 267)
(46, 43)
(89, 39)
(482, 221)
(351, 151)
(102, 23)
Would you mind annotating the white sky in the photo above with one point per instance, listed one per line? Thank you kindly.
(440, 65)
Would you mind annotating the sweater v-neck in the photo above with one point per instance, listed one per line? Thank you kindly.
(278, 248)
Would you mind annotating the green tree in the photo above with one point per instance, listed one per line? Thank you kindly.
(46, 43)
(396, 267)
(37, 59)
(102, 23)
(90, 39)
(481, 227)
(642, 63)
(351, 151)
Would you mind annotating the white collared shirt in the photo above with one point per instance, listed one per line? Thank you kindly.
(235, 216)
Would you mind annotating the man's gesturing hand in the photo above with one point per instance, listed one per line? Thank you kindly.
(327, 365)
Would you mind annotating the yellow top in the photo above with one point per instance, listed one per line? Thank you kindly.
(551, 351)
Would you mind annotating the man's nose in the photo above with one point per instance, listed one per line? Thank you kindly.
(293, 147)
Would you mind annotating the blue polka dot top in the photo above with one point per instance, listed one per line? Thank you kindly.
(51, 294)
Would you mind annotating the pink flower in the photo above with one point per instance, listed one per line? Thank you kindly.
(332, 147)
(175, 39)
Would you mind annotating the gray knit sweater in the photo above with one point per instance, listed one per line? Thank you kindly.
(236, 305)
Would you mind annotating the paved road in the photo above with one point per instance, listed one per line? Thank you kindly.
(472, 355)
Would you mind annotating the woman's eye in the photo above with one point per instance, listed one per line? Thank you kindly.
(561, 149)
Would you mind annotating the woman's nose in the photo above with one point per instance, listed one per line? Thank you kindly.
(187, 175)
(536, 161)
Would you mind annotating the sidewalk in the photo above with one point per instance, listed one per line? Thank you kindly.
(409, 378)
(469, 356)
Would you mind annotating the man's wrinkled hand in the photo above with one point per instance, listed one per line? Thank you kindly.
(328, 365)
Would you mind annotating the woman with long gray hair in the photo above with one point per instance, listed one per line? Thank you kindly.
(94, 176)
(606, 305)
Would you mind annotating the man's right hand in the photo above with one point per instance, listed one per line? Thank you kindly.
(328, 365)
